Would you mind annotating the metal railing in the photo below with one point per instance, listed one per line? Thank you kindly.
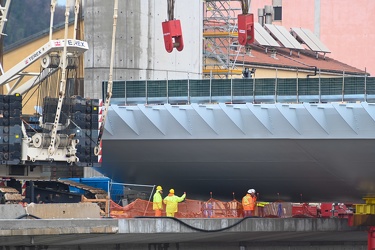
(253, 90)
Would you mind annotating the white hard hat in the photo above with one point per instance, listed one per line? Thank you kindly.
(251, 191)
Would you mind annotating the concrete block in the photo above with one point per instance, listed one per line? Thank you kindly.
(11, 211)
(64, 210)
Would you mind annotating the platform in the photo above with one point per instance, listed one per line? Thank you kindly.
(141, 233)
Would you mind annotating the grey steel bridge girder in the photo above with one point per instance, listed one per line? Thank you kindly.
(233, 112)
(289, 112)
(246, 120)
(291, 149)
(127, 117)
(181, 117)
(153, 114)
(370, 109)
(317, 112)
(348, 114)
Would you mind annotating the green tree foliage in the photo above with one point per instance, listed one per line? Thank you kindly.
(29, 17)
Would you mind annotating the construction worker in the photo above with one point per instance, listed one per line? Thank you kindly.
(246, 73)
(260, 206)
(249, 203)
(171, 202)
(157, 205)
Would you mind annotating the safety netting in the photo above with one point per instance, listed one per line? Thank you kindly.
(211, 208)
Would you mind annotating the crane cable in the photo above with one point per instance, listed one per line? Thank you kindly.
(245, 4)
(170, 10)
(97, 148)
(197, 228)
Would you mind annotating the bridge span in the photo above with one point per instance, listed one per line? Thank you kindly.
(292, 152)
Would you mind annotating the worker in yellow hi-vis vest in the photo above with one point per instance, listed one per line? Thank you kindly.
(157, 205)
(260, 207)
(171, 202)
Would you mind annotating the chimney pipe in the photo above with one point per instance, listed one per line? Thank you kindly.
(261, 17)
(268, 14)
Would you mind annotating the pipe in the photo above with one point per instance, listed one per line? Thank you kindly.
(261, 17)
(268, 14)
(315, 72)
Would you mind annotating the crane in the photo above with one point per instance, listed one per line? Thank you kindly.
(54, 140)
(3, 18)
(97, 149)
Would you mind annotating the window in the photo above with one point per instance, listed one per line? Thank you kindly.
(277, 13)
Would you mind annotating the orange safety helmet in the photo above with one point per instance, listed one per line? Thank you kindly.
(171, 191)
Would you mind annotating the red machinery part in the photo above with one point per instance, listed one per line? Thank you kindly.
(304, 210)
(172, 35)
(245, 29)
(371, 238)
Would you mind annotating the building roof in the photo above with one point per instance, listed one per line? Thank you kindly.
(305, 60)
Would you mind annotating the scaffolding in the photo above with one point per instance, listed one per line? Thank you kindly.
(221, 49)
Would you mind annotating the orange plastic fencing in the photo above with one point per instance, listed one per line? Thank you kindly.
(217, 209)
(278, 210)
(186, 209)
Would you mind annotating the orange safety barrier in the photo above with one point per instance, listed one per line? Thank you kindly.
(218, 209)
(278, 210)
(213, 208)
(186, 209)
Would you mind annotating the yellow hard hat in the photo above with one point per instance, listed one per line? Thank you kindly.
(171, 191)
(159, 188)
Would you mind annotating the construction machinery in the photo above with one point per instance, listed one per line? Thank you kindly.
(58, 140)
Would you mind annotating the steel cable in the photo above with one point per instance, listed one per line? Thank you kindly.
(197, 228)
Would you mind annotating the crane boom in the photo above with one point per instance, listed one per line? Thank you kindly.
(110, 81)
(77, 47)
(51, 148)
(3, 15)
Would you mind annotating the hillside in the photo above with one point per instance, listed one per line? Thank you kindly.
(26, 18)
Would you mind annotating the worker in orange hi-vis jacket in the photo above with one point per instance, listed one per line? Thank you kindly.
(157, 205)
(249, 203)
(171, 202)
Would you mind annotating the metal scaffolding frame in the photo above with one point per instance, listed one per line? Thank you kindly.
(221, 49)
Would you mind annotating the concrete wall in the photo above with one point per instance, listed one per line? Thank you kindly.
(64, 210)
(140, 52)
(11, 211)
(201, 246)
(51, 211)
